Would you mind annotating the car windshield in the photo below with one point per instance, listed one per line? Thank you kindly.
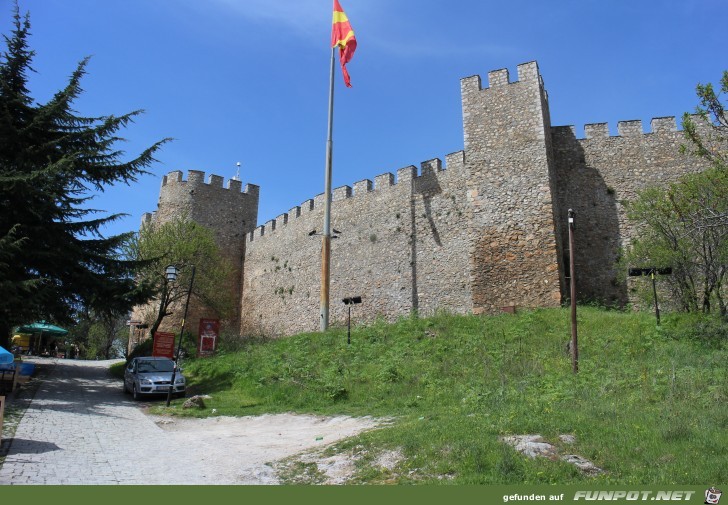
(155, 366)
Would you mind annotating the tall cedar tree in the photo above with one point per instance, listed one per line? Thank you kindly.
(53, 257)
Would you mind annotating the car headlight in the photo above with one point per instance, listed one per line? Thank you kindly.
(145, 381)
(179, 380)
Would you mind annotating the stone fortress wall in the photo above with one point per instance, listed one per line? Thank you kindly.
(402, 246)
(484, 231)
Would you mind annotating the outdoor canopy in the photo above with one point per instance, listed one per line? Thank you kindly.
(41, 333)
(42, 327)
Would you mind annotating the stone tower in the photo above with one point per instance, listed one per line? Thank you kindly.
(229, 212)
(514, 246)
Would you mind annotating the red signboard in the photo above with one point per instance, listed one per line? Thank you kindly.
(209, 330)
(163, 345)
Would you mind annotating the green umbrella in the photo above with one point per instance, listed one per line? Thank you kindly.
(42, 327)
(41, 332)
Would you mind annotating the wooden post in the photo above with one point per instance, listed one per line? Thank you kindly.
(2, 413)
(16, 375)
(572, 274)
(654, 293)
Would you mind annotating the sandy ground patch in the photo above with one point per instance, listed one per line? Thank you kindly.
(244, 449)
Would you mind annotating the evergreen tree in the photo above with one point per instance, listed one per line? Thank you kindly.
(53, 256)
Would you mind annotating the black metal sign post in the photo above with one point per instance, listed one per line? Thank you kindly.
(652, 272)
(654, 294)
(349, 302)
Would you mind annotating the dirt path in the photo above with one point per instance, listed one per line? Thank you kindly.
(240, 448)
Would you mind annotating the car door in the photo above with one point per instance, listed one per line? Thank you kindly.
(129, 375)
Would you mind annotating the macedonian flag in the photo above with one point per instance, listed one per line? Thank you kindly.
(342, 35)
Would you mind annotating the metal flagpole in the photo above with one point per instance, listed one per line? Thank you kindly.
(326, 243)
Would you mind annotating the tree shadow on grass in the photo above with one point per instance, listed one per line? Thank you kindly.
(209, 385)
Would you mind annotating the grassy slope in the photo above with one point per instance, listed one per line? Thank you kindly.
(647, 408)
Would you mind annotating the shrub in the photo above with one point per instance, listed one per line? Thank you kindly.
(708, 328)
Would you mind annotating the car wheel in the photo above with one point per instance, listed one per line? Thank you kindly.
(135, 393)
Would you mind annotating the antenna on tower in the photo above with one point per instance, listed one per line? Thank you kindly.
(237, 175)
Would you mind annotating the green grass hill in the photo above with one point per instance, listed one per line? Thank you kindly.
(648, 406)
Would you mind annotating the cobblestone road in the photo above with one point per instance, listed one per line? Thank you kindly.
(81, 428)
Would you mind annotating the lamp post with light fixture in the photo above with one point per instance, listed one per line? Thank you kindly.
(171, 273)
(574, 343)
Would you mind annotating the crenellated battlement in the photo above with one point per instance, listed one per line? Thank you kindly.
(631, 128)
(406, 177)
(197, 178)
(148, 218)
(527, 72)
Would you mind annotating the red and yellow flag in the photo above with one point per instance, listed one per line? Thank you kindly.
(342, 35)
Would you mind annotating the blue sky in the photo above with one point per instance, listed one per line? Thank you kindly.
(247, 80)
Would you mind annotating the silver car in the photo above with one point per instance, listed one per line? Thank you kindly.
(152, 375)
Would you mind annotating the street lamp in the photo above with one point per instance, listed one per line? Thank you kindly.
(349, 302)
(171, 274)
(574, 344)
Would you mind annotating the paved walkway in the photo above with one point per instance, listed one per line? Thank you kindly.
(81, 429)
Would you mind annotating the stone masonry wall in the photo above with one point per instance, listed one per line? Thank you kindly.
(402, 247)
(595, 176)
(513, 244)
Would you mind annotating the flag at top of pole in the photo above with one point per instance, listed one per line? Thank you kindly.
(342, 35)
